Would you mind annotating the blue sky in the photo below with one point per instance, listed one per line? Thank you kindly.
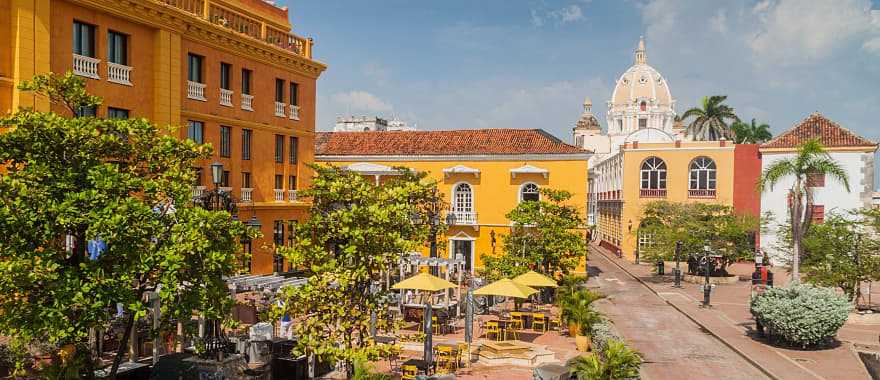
(529, 64)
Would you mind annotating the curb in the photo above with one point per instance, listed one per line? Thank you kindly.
(704, 327)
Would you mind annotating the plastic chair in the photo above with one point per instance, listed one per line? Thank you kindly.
(492, 327)
(445, 359)
(557, 321)
(409, 372)
(463, 354)
(538, 320)
(517, 320)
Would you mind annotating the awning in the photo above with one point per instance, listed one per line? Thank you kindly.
(529, 169)
(461, 169)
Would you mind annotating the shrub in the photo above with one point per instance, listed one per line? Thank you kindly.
(801, 315)
(601, 333)
(618, 362)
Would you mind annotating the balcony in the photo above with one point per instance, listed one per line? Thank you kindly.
(291, 195)
(86, 66)
(701, 193)
(195, 91)
(294, 112)
(247, 194)
(117, 73)
(225, 189)
(652, 193)
(225, 97)
(247, 102)
(463, 218)
(279, 195)
(198, 191)
(279, 109)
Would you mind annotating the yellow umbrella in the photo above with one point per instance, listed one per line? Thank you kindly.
(506, 288)
(424, 281)
(536, 280)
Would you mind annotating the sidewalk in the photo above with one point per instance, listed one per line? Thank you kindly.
(730, 321)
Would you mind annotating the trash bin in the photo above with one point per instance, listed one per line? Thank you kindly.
(661, 270)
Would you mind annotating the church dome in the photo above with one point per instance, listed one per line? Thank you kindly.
(641, 83)
(588, 121)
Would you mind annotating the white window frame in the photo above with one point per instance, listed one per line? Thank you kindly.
(465, 237)
(654, 168)
(522, 189)
(702, 169)
(455, 198)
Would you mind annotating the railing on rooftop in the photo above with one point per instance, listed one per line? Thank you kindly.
(243, 24)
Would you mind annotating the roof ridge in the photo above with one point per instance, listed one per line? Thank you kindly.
(849, 137)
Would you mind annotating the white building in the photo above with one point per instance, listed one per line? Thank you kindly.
(364, 123)
(854, 153)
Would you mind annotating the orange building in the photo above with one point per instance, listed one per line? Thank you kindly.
(229, 72)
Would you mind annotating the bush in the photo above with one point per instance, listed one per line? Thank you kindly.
(617, 362)
(801, 315)
(601, 333)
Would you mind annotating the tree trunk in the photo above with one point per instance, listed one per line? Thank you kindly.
(123, 345)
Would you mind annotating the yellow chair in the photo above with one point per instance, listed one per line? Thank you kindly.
(492, 327)
(538, 320)
(409, 372)
(510, 331)
(517, 320)
(435, 327)
(557, 321)
(463, 353)
(445, 359)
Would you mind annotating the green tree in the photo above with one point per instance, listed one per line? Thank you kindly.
(811, 159)
(696, 225)
(842, 252)
(356, 232)
(710, 123)
(752, 133)
(616, 362)
(544, 237)
(125, 182)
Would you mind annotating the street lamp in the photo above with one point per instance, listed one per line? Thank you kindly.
(492, 236)
(677, 271)
(433, 221)
(707, 287)
(217, 173)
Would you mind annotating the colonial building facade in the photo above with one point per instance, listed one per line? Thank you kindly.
(229, 72)
(483, 174)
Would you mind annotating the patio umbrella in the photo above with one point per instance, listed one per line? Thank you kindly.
(535, 280)
(506, 288)
(429, 283)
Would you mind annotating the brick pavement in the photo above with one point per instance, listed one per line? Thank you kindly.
(730, 321)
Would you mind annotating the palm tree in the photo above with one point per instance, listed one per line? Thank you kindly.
(617, 362)
(710, 121)
(811, 160)
(750, 133)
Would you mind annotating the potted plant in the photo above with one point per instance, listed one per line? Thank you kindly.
(574, 305)
(586, 319)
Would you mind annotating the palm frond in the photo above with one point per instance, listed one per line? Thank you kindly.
(775, 172)
(829, 167)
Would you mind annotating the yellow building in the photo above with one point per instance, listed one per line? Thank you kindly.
(483, 174)
(624, 183)
(231, 71)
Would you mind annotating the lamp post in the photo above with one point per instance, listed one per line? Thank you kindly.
(707, 287)
(432, 219)
(677, 271)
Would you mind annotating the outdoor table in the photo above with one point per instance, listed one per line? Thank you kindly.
(418, 363)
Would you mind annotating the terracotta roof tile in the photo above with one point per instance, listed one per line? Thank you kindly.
(816, 126)
(454, 142)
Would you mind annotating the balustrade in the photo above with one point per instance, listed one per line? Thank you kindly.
(294, 112)
(117, 73)
(195, 90)
(225, 97)
(86, 66)
(247, 102)
(247, 194)
(279, 109)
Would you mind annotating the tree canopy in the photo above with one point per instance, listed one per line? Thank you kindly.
(711, 121)
(750, 133)
(120, 185)
(544, 237)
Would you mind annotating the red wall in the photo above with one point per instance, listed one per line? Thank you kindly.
(746, 173)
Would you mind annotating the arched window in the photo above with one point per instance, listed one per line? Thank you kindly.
(703, 174)
(653, 174)
(463, 199)
(643, 107)
(529, 192)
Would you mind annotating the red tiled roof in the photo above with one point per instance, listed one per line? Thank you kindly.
(816, 126)
(456, 142)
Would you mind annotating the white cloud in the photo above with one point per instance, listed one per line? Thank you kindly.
(872, 46)
(361, 101)
(567, 14)
(718, 22)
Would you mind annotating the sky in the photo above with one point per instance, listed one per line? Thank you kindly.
(457, 64)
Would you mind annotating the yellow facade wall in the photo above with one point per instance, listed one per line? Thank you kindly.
(495, 193)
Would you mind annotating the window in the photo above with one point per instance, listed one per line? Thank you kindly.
(279, 90)
(463, 199)
(529, 192)
(291, 182)
(117, 113)
(643, 107)
(245, 81)
(245, 144)
(291, 231)
(197, 181)
(702, 174)
(653, 174)
(246, 180)
(225, 73)
(278, 232)
(83, 39)
(117, 48)
(195, 68)
(87, 111)
(224, 179)
(620, 124)
(816, 180)
(643, 123)
(294, 94)
(818, 213)
(195, 131)
(279, 149)
(294, 147)
(225, 141)
(279, 181)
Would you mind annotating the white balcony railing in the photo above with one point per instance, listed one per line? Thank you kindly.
(465, 218)
(247, 102)
(279, 195)
(279, 109)
(225, 97)
(225, 189)
(117, 73)
(86, 66)
(195, 90)
(291, 195)
(294, 112)
(247, 194)
(198, 191)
